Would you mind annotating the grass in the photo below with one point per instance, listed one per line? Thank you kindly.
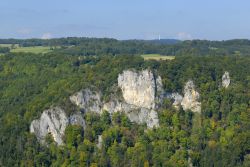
(33, 49)
(157, 57)
(8, 45)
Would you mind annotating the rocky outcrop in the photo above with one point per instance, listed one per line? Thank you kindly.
(226, 79)
(99, 144)
(191, 97)
(140, 88)
(77, 119)
(115, 106)
(177, 99)
(54, 121)
(190, 100)
(134, 113)
(140, 91)
(144, 115)
(87, 100)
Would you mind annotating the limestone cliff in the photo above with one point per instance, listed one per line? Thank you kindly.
(134, 113)
(54, 121)
(87, 100)
(226, 79)
(139, 88)
(191, 97)
(141, 92)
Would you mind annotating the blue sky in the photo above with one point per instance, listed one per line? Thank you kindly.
(126, 19)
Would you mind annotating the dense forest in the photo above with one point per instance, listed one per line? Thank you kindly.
(107, 46)
(218, 136)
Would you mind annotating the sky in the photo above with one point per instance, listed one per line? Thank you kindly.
(126, 19)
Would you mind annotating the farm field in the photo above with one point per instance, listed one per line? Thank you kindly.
(35, 49)
(8, 45)
(157, 57)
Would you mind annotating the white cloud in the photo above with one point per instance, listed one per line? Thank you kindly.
(184, 36)
(46, 35)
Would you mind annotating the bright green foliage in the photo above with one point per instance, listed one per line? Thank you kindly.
(73, 135)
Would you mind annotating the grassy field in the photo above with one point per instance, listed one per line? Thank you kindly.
(8, 45)
(157, 57)
(35, 49)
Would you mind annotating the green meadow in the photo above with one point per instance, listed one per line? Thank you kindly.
(8, 45)
(157, 57)
(32, 49)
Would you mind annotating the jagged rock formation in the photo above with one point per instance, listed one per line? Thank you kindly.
(190, 100)
(140, 92)
(54, 121)
(139, 88)
(226, 79)
(191, 97)
(87, 100)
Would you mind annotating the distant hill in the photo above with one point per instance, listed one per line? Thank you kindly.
(165, 41)
(108, 46)
(157, 41)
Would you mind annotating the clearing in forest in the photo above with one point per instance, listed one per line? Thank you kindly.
(157, 57)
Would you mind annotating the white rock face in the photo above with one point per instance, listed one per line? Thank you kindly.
(99, 144)
(88, 100)
(54, 121)
(143, 115)
(91, 101)
(115, 106)
(134, 113)
(191, 97)
(226, 79)
(77, 119)
(141, 92)
(139, 88)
